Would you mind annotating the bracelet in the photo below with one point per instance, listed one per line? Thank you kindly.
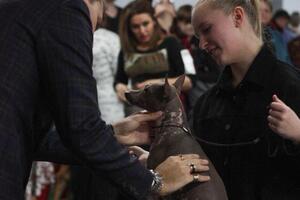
(157, 184)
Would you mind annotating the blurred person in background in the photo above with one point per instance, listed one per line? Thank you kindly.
(294, 44)
(165, 13)
(294, 23)
(112, 16)
(280, 22)
(182, 26)
(272, 32)
(265, 11)
(147, 55)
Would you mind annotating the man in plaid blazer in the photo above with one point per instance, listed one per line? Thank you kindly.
(45, 74)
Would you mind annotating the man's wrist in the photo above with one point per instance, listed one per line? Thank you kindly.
(157, 183)
(115, 129)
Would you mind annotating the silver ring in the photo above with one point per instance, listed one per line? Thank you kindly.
(193, 167)
(195, 178)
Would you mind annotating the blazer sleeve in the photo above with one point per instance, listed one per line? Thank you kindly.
(51, 149)
(64, 48)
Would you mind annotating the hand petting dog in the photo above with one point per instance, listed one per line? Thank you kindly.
(135, 129)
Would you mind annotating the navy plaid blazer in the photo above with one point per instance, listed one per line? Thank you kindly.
(45, 74)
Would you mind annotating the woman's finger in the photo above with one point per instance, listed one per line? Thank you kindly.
(198, 178)
(273, 121)
(272, 127)
(275, 114)
(195, 165)
(277, 106)
(188, 156)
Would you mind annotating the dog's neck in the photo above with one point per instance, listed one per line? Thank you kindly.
(174, 115)
(173, 124)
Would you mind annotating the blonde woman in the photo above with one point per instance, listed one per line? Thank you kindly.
(231, 118)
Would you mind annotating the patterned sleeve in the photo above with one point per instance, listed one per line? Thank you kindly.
(64, 51)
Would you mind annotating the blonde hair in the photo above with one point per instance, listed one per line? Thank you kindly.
(251, 8)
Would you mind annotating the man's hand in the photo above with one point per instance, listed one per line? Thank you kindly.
(140, 153)
(176, 172)
(135, 129)
(283, 120)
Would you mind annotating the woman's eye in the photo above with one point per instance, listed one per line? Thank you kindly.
(145, 24)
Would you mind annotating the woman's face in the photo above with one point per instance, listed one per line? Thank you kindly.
(282, 22)
(218, 34)
(142, 27)
(265, 13)
(186, 28)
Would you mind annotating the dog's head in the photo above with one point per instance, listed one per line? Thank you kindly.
(155, 97)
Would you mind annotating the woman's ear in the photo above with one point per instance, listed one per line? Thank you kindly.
(238, 15)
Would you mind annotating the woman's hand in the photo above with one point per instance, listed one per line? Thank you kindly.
(283, 120)
(176, 172)
(140, 153)
(120, 90)
(135, 129)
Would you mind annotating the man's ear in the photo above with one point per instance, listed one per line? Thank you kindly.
(178, 83)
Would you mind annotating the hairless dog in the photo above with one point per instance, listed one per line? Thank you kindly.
(172, 137)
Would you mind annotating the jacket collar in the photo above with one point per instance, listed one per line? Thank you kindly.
(257, 76)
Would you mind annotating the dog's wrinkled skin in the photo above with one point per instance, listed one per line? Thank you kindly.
(172, 139)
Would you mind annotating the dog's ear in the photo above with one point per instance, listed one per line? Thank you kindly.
(178, 83)
(167, 87)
